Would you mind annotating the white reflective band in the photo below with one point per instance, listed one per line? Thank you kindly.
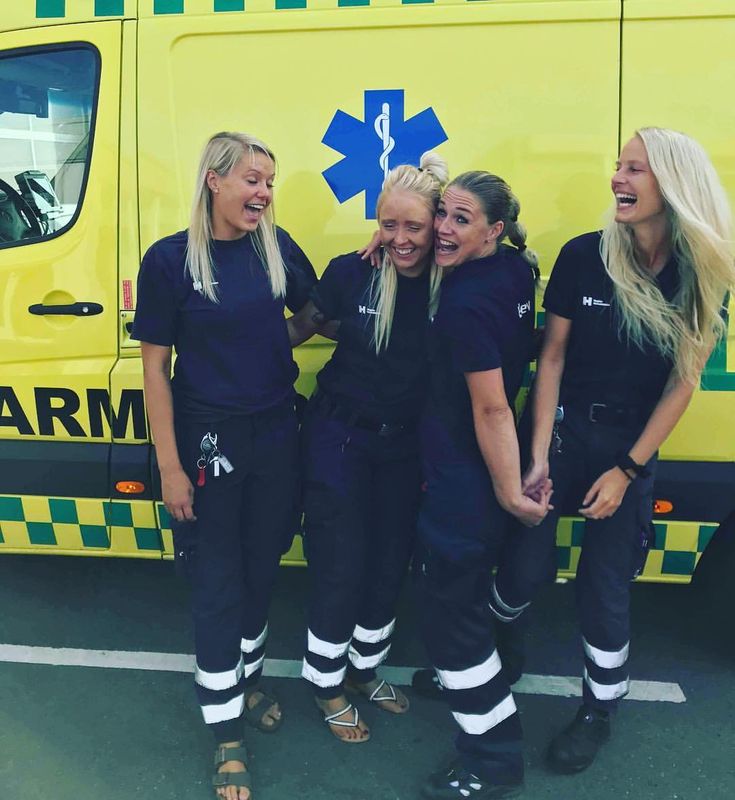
(322, 679)
(607, 691)
(221, 713)
(607, 659)
(481, 723)
(323, 648)
(501, 617)
(219, 680)
(508, 609)
(248, 645)
(373, 637)
(472, 676)
(249, 669)
(367, 662)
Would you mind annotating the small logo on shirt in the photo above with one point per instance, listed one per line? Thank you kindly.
(523, 308)
(366, 310)
(591, 301)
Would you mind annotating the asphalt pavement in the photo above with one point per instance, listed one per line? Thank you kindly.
(75, 732)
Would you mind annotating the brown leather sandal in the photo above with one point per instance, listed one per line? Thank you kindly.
(230, 753)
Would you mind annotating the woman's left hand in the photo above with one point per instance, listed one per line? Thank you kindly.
(605, 495)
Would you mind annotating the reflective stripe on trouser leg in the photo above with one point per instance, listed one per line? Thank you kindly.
(253, 655)
(325, 662)
(502, 610)
(605, 672)
(458, 632)
(220, 694)
(370, 648)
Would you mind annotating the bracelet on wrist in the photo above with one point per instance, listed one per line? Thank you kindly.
(628, 466)
(627, 474)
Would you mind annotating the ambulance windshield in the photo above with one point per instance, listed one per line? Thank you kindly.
(47, 100)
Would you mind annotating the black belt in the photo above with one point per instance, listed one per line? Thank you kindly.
(329, 407)
(615, 414)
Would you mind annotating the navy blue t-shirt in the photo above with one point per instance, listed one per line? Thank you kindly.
(389, 387)
(601, 365)
(485, 321)
(232, 357)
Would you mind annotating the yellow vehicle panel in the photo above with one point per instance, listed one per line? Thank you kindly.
(678, 73)
(489, 110)
(540, 91)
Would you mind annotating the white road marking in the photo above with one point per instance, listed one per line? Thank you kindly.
(652, 691)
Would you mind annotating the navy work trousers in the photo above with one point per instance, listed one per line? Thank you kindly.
(463, 528)
(245, 522)
(360, 500)
(613, 552)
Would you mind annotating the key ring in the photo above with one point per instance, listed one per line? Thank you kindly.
(201, 462)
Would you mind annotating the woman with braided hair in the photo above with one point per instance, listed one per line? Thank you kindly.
(481, 342)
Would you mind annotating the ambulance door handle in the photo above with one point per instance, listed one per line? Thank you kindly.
(72, 309)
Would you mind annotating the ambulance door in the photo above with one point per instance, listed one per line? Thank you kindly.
(59, 99)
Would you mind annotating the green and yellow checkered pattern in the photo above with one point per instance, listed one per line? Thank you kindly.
(79, 526)
(77, 9)
(95, 527)
(672, 558)
(142, 529)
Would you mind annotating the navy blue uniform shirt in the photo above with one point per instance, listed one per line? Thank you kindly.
(601, 365)
(485, 321)
(389, 387)
(232, 357)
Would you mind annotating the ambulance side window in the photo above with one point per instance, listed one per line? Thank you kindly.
(47, 108)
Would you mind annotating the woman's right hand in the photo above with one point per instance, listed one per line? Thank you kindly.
(536, 480)
(530, 511)
(178, 495)
(372, 250)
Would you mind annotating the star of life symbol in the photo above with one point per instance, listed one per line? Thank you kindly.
(374, 146)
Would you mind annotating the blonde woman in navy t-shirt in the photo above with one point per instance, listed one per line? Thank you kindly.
(631, 316)
(224, 426)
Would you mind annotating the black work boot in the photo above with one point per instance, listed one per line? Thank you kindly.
(575, 748)
(426, 683)
(456, 783)
(511, 643)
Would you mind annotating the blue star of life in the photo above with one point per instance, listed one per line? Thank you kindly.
(373, 147)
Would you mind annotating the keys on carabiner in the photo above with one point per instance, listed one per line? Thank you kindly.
(555, 441)
(212, 455)
(225, 462)
(555, 437)
(202, 476)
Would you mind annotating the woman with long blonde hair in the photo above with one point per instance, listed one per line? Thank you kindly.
(632, 314)
(360, 447)
(224, 426)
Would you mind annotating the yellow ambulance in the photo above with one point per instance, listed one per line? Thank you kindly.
(105, 105)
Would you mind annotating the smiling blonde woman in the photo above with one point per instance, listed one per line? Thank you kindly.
(224, 427)
(631, 315)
